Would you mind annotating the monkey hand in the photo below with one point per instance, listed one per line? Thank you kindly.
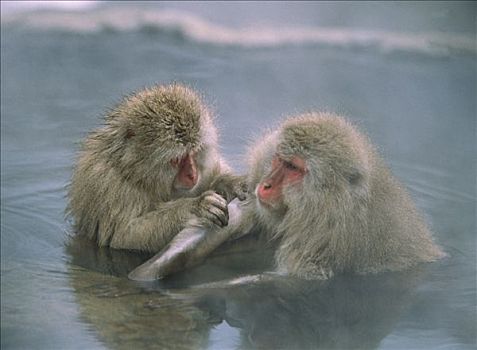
(240, 187)
(211, 209)
(231, 186)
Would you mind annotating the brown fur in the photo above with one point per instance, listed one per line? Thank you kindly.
(349, 214)
(121, 193)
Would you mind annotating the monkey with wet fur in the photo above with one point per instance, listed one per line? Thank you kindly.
(152, 168)
(326, 197)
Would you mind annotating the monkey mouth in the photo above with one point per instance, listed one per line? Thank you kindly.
(264, 203)
(278, 210)
(179, 187)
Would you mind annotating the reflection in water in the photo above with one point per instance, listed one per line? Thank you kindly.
(277, 312)
(419, 108)
(125, 316)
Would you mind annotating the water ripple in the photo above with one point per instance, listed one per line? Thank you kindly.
(427, 181)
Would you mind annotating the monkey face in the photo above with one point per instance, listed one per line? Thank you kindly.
(187, 172)
(284, 172)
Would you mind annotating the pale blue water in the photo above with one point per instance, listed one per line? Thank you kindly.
(406, 73)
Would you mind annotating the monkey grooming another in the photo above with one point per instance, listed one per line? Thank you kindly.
(326, 197)
(153, 167)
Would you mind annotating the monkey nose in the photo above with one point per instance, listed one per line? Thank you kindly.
(267, 186)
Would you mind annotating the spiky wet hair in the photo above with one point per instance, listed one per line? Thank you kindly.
(349, 213)
(124, 167)
(334, 149)
(172, 116)
(153, 126)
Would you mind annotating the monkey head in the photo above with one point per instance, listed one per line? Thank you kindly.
(311, 157)
(162, 138)
(325, 194)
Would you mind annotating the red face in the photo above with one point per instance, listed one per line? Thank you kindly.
(284, 172)
(187, 173)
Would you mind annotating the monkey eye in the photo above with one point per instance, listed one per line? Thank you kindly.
(290, 166)
(296, 164)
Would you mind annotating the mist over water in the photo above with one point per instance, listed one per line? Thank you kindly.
(406, 73)
(214, 31)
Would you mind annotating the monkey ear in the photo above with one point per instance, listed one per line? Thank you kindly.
(355, 177)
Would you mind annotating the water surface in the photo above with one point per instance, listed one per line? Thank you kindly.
(406, 74)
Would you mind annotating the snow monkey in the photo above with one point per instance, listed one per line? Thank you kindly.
(151, 168)
(325, 195)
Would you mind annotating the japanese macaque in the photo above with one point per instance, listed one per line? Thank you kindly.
(152, 168)
(324, 194)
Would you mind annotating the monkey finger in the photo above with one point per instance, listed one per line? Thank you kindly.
(212, 219)
(241, 194)
(207, 194)
(241, 190)
(221, 215)
(216, 200)
(224, 194)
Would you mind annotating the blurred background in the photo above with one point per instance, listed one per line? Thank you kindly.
(404, 72)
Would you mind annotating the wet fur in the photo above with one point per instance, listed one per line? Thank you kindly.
(349, 214)
(121, 192)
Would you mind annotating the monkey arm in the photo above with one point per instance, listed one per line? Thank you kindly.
(189, 247)
(153, 230)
